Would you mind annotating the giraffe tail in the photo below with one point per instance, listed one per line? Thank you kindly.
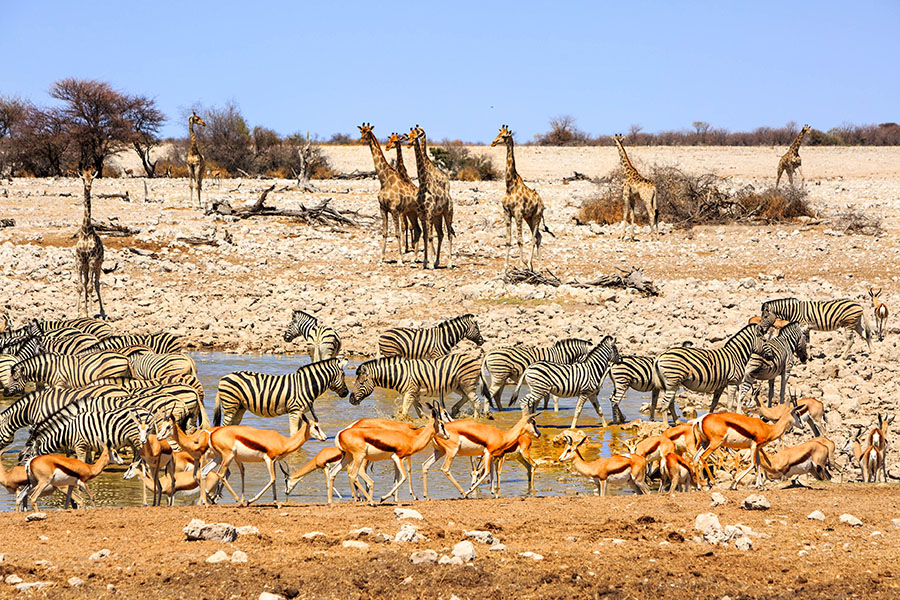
(545, 228)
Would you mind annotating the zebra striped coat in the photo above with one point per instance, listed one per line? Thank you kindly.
(506, 365)
(826, 315)
(430, 342)
(162, 343)
(322, 342)
(6, 364)
(272, 395)
(22, 343)
(774, 357)
(636, 373)
(457, 372)
(39, 406)
(68, 371)
(67, 340)
(95, 327)
(149, 365)
(87, 432)
(703, 370)
(582, 379)
(186, 387)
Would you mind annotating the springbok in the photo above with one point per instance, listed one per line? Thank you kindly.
(808, 458)
(881, 313)
(184, 481)
(156, 454)
(870, 459)
(54, 471)
(619, 468)
(679, 471)
(877, 438)
(14, 480)
(195, 444)
(814, 414)
(325, 459)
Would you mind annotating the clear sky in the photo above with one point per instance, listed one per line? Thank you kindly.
(461, 69)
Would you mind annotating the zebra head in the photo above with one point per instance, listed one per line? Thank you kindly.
(300, 324)
(365, 384)
(17, 380)
(472, 332)
(803, 344)
(338, 383)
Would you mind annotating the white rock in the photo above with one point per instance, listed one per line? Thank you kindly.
(717, 499)
(465, 550)
(271, 596)
(218, 557)
(707, 522)
(532, 555)
(895, 523)
(2, 557)
(755, 502)
(312, 535)
(248, 530)
(423, 556)
(110, 587)
(497, 547)
(382, 538)
(407, 513)
(216, 532)
(485, 537)
(239, 557)
(99, 555)
(450, 560)
(802, 553)
(355, 544)
(37, 585)
(850, 520)
(408, 533)
(743, 543)
(362, 531)
(35, 516)
(13, 579)
(816, 515)
(76, 581)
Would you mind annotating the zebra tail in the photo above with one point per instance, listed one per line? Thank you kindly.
(483, 379)
(217, 413)
(202, 417)
(515, 394)
(656, 375)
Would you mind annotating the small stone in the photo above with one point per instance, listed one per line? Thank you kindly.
(248, 530)
(465, 550)
(43, 538)
(239, 557)
(37, 585)
(707, 522)
(216, 532)
(99, 555)
(755, 502)
(2, 557)
(218, 557)
(850, 520)
(531, 555)
(498, 547)
(76, 581)
(454, 597)
(271, 596)
(355, 544)
(743, 543)
(408, 533)
(876, 534)
(35, 516)
(407, 513)
(13, 579)
(895, 523)
(816, 515)
(485, 537)
(803, 553)
(450, 560)
(382, 538)
(408, 580)
(110, 587)
(362, 531)
(717, 499)
(43, 563)
(423, 556)
(312, 535)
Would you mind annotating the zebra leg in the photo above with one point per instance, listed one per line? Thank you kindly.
(579, 406)
(784, 377)
(294, 420)
(668, 402)
(555, 403)
(408, 397)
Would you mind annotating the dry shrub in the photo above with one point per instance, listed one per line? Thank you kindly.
(174, 169)
(468, 174)
(112, 171)
(854, 222)
(456, 159)
(323, 171)
(771, 205)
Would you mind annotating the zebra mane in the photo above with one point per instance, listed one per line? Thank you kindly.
(304, 314)
(769, 303)
(377, 361)
(568, 341)
(741, 332)
(605, 343)
(467, 316)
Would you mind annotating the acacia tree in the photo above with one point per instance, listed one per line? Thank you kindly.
(145, 120)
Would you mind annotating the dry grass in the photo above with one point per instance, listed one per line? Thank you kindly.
(854, 222)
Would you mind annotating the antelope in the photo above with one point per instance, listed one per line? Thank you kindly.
(469, 438)
(361, 445)
(674, 468)
(49, 471)
(156, 454)
(778, 324)
(195, 445)
(14, 480)
(618, 468)
(814, 415)
(184, 481)
(808, 458)
(325, 459)
(653, 449)
(385, 424)
(869, 460)
(881, 313)
(683, 438)
(242, 444)
(876, 438)
(731, 430)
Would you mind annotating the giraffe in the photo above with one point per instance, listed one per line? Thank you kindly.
(635, 184)
(410, 221)
(790, 162)
(520, 203)
(88, 250)
(394, 195)
(434, 205)
(195, 161)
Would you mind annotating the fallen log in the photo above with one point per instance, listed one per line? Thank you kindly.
(356, 174)
(516, 275)
(634, 279)
(7, 223)
(115, 230)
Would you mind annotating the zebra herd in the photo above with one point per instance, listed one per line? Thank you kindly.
(98, 389)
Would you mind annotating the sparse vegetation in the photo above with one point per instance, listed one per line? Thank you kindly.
(853, 222)
(563, 132)
(462, 164)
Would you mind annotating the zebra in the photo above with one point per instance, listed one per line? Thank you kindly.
(162, 343)
(272, 395)
(635, 372)
(456, 372)
(37, 406)
(703, 370)
(6, 364)
(67, 340)
(431, 342)
(827, 315)
(12, 336)
(149, 365)
(22, 343)
(95, 327)
(322, 342)
(774, 357)
(582, 379)
(506, 365)
(186, 387)
(68, 371)
(87, 432)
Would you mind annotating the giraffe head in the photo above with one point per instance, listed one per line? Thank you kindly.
(395, 141)
(414, 134)
(504, 135)
(195, 119)
(618, 138)
(87, 178)
(805, 129)
(365, 131)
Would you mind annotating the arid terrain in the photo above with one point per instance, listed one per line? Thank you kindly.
(236, 294)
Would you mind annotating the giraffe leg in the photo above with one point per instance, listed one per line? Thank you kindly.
(519, 239)
(778, 179)
(508, 218)
(625, 199)
(384, 233)
(802, 178)
(790, 174)
(398, 218)
(652, 211)
(96, 276)
(439, 232)
(426, 239)
(448, 221)
(535, 226)
(199, 186)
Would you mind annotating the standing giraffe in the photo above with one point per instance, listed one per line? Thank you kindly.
(88, 250)
(434, 205)
(520, 203)
(635, 185)
(791, 162)
(394, 195)
(195, 161)
(410, 222)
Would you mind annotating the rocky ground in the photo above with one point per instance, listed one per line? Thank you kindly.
(826, 542)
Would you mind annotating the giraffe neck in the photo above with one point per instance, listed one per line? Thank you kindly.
(401, 168)
(510, 165)
(382, 168)
(86, 224)
(421, 168)
(795, 145)
(193, 149)
(626, 162)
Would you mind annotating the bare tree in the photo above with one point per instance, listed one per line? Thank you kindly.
(563, 132)
(633, 132)
(39, 142)
(146, 120)
(226, 138)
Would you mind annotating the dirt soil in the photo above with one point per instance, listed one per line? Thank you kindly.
(614, 547)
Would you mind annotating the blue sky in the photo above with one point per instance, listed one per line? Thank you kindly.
(460, 69)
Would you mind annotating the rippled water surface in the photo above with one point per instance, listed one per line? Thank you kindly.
(335, 413)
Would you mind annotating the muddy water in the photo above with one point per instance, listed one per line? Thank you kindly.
(335, 413)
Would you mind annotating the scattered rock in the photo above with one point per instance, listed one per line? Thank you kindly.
(485, 537)
(450, 560)
(239, 557)
(99, 555)
(271, 596)
(707, 523)
(755, 502)
(498, 547)
(248, 530)
(407, 513)
(218, 557)
(215, 532)
(76, 581)
(423, 556)
(382, 538)
(803, 553)
(532, 555)
(2, 557)
(850, 520)
(743, 543)
(13, 579)
(717, 499)
(465, 550)
(37, 585)
(894, 522)
(312, 535)
(35, 516)
(355, 544)
(110, 587)
(408, 533)
(362, 531)
(816, 515)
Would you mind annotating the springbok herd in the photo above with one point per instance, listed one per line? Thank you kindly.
(98, 392)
